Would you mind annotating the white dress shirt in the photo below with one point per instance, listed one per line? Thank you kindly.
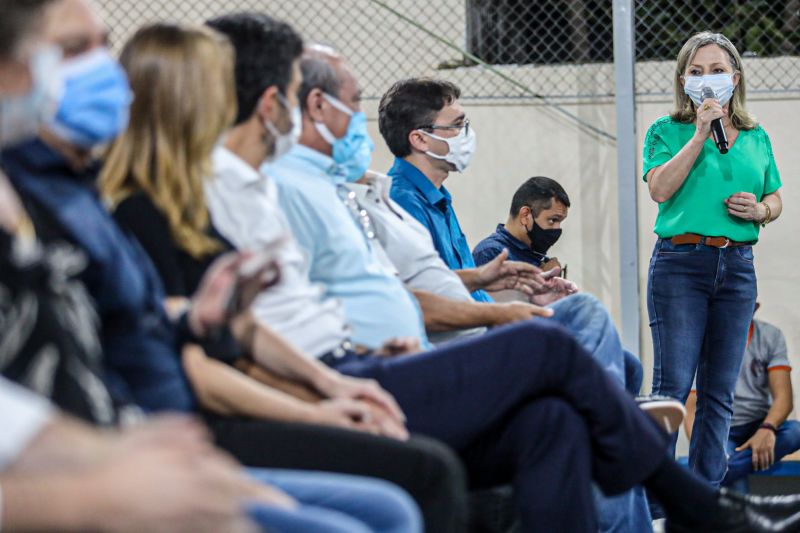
(243, 205)
(409, 247)
(23, 415)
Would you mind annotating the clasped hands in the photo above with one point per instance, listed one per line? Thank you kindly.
(542, 288)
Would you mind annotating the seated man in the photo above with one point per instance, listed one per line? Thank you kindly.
(760, 433)
(395, 235)
(486, 396)
(538, 209)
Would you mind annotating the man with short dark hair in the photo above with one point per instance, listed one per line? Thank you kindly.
(538, 208)
(429, 134)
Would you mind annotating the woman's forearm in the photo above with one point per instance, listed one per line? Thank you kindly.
(274, 353)
(665, 180)
(775, 203)
(226, 391)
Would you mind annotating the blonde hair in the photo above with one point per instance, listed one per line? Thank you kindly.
(185, 98)
(684, 110)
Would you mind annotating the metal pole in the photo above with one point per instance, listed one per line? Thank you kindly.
(624, 61)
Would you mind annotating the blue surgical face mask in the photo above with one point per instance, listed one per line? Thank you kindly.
(95, 102)
(353, 152)
(721, 84)
(22, 116)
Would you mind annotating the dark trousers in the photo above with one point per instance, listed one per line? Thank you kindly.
(426, 469)
(526, 404)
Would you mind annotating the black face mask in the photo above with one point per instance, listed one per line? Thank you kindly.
(542, 239)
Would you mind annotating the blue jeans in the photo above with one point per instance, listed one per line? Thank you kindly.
(634, 373)
(700, 301)
(336, 503)
(740, 463)
(587, 319)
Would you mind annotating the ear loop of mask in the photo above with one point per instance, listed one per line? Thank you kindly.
(323, 130)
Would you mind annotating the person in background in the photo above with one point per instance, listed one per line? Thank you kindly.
(155, 190)
(761, 433)
(538, 209)
(711, 207)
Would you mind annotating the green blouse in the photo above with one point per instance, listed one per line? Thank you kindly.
(698, 205)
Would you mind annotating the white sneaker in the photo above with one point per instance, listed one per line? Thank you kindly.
(667, 411)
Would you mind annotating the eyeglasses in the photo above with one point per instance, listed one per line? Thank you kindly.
(464, 126)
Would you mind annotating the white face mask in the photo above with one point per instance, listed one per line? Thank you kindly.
(284, 142)
(460, 148)
(323, 130)
(721, 84)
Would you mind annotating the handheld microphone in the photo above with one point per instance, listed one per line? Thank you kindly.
(717, 129)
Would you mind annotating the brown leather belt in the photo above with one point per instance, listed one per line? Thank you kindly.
(716, 242)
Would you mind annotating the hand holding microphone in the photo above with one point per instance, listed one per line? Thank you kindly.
(709, 118)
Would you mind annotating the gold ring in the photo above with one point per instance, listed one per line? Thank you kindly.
(705, 107)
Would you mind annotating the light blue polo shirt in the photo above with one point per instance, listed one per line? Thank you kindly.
(377, 304)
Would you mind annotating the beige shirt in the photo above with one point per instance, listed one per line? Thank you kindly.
(410, 249)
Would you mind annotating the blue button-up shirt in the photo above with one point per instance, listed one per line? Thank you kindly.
(139, 342)
(343, 258)
(433, 208)
(491, 246)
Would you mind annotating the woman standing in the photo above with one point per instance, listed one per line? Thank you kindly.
(711, 206)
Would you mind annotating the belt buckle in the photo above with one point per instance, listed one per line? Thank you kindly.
(727, 243)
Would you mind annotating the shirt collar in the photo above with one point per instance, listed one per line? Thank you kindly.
(404, 170)
(510, 239)
(376, 186)
(305, 157)
(233, 169)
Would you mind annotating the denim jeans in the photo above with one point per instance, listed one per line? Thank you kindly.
(740, 463)
(634, 373)
(335, 503)
(587, 319)
(700, 300)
